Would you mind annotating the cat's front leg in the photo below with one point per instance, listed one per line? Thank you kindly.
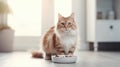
(71, 51)
(60, 51)
(48, 56)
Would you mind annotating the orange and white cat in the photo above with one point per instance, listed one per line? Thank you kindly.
(60, 39)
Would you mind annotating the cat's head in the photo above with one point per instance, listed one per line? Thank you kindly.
(66, 24)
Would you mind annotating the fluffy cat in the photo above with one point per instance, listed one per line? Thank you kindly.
(60, 39)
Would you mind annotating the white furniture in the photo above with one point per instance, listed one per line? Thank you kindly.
(103, 30)
(6, 40)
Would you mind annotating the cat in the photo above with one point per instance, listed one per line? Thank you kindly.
(60, 39)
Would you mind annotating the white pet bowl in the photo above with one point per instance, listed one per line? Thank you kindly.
(64, 59)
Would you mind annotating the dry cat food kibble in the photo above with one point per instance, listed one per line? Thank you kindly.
(63, 59)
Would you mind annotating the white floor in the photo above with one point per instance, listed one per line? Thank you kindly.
(85, 59)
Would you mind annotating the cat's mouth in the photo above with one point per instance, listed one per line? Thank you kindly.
(66, 31)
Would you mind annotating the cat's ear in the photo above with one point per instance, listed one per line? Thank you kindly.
(60, 16)
(72, 15)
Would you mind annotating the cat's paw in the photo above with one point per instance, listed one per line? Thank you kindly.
(70, 55)
(60, 54)
(47, 57)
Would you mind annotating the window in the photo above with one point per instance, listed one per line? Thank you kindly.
(64, 7)
(26, 17)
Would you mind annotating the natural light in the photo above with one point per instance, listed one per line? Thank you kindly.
(26, 17)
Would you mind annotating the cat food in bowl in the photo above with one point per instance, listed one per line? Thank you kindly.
(64, 59)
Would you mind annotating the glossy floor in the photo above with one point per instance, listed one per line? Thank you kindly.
(85, 59)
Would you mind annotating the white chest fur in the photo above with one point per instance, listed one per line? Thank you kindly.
(68, 40)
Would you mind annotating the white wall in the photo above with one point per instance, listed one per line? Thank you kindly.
(91, 11)
(47, 15)
(79, 8)
(27, 43)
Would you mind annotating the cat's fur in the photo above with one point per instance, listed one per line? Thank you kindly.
(61, 39)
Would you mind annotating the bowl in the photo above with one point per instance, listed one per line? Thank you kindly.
(64, 59)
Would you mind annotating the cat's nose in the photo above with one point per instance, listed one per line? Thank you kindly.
(65, 26)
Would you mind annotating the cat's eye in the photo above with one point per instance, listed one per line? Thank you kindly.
(69, 23)
(63, 23)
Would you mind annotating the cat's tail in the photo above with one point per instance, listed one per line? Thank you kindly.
(37, 54)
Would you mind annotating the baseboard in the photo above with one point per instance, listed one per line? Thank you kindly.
(105, 46)
(109, 46)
